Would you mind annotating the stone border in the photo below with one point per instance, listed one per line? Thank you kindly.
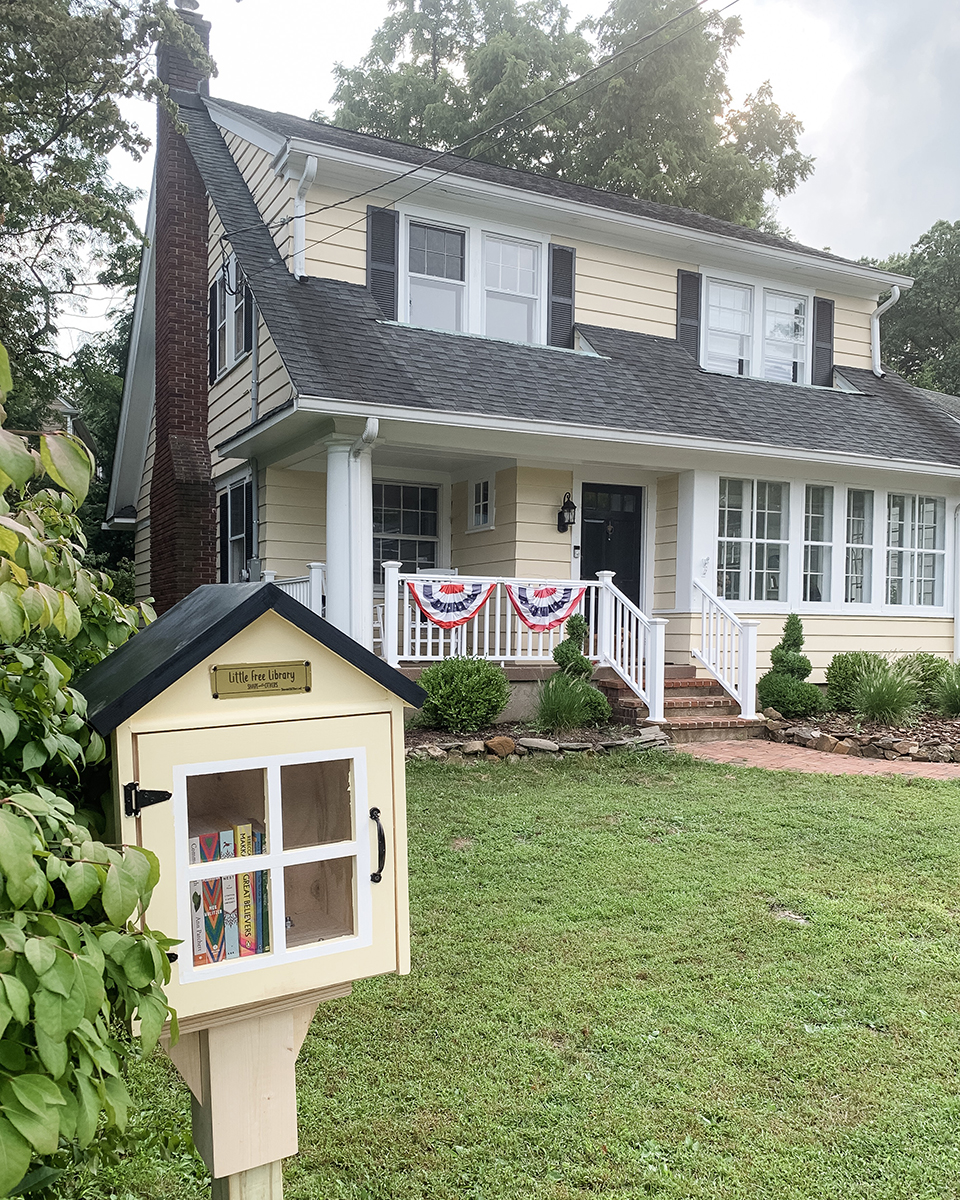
(506, 749)
(858, 745)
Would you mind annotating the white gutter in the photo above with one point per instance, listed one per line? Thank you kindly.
(875, 328)
(300, 216)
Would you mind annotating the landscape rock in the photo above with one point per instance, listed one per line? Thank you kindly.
(889, 754)
(434, 752)
(905, 747)
(871, 751)
(956, 754)
(943, 753)
(826, 743)
(921, 756)
(521, 750)
(448, 746)
(513, 758)
(842, 747)
(777, 735)
(576, 746)
(538, 744)
(772, 715)
(501, 745)
(473, 748)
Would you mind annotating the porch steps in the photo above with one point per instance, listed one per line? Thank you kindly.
(696, 710)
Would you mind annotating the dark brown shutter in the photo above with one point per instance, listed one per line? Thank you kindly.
(689, 287)
(560, 286)
(213, 333)
(225, 538)
(383, 241)
(248, 550)
(822, 375)
(247, 319)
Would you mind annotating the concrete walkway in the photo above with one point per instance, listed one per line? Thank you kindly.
(757, 752)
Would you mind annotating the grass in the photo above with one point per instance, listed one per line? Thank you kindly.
(640, 976)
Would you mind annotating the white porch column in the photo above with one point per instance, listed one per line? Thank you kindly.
(656, 670)
(349, 574)
(747, 682)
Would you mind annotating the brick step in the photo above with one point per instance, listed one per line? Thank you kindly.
(693, 687)
(715, 729)
(702, 703)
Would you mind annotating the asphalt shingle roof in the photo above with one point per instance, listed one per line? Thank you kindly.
(335, 344)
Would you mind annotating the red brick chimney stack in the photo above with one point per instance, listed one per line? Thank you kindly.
(182, 496)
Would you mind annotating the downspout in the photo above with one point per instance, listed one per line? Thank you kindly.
(371, 431)
(875, 328)
(255, 571)
(255, 367)
(300, 216)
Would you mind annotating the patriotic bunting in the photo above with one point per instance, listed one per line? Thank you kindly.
(450, 603)
(543, 608)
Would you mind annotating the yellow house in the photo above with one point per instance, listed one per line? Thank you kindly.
(417, 360)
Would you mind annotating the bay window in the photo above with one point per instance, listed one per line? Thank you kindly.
(858, 570)
(817, 541)
(915, 549)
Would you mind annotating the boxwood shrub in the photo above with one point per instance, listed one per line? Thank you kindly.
(463, 694)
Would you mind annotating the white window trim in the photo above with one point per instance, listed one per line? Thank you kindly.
(760, 288)
(225, 483)
(490, 480)
(357, 848)
(474, 308)
(423, 479)
(232, 357)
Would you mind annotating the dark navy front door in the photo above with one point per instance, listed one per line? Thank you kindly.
(610, 535)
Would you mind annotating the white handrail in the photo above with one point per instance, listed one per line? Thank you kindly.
(728, 649)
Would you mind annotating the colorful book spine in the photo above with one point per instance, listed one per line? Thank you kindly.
(212, 900)
(258, 891)
(246, 904)
(231, 915)
(198, 933)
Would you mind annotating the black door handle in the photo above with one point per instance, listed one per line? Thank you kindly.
(381, 846)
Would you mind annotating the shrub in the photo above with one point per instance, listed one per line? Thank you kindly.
(844, 674)
(463, 694)
(784, 687)
(571, 660)
(567, 702)
(928, 670)
(576, 629)
(947, 696)
(886, 692)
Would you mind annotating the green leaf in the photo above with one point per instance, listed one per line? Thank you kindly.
(36, 1092)
(13, 937)
(41, 954)
(152, 1013)
(120, 894)
(15, 459)
(12, 617)
(9, 723)
(6, 378)
(69, 1112)
(14, 1156)
(58, 1015)
(40, 1177)
(67, 461)
(6, 1016)
(17, 997)
(138, 966)
(35, 607)
(12, 1055)
(42, 1130)
(93, 989)
(54, 1054)
(88, 1114)
(117, 1101)
(63, 976)
(16, 857)
(137, 867)
(82, 881)
(34, 756)
(73, 622)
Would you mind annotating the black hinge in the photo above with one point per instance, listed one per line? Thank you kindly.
(134, 799)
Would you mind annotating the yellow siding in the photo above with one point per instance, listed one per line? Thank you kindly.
(828, 635)
(141, 542)
(272, 193)
(851, 333)
(293, 507)
(486, 551)
(626, 290)
(542, 552)
(337, 238)
(665, 548)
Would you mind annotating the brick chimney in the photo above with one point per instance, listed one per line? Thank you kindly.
(182, 495)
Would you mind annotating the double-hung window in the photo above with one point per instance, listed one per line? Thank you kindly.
(858, 571)
(236, 531)
(405, 527)
(755, 331)
(784, 337)
(480, 514)
(752, 549)
(436, 259)
(729, 338)
(915, 549)
(231, 318)
(817, 541)
(511, 278)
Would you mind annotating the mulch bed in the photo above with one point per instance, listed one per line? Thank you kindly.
(928, 737)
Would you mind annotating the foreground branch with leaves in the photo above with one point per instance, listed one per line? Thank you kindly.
(75, 970)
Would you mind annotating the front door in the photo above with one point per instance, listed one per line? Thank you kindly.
(610, 538)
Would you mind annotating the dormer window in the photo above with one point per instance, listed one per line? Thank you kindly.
(436, 290)
(512, 285)
(729, 340)
(784, 337)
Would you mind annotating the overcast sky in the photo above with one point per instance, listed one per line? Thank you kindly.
(876, 84)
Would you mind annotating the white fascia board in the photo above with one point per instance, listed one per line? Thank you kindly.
(678, 241)
(139, 380)
(233, 122)
(592, 433)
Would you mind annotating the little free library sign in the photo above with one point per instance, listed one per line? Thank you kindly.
(250, 679)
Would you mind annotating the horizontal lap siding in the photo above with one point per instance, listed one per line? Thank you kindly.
(141, 543)
(542, 552)
(273, 194)
(624, 289)
(292, 520)
(851, 333)
(486, 551)
(665, 548)
(336, 238)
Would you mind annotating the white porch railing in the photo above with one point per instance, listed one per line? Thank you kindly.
(308, 589)
(621, 636)
(728, 649)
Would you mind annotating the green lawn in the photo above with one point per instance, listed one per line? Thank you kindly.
(610, 997)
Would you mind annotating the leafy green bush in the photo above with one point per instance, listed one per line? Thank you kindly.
(568, 702)
(571, 660)
(576, 629)
(844, 673)
(886, 692)
(928, 670)
(947, 696)
(463, 694)
(784, 687)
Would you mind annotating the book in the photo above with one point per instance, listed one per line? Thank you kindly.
(212, 890)
(243, 841)
(231, 915)
(198, 933)
(258, 890)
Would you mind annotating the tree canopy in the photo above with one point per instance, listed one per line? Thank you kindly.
(921, 334)
(657, 122)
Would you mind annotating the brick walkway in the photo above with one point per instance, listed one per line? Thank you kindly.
(757, 752)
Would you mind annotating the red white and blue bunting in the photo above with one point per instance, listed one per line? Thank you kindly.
(449, 604)
(543, 608)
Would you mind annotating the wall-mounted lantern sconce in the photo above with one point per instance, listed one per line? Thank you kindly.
(567, 516)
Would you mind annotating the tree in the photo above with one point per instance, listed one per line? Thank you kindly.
(921, 334)
(660, 129)
(73, 969)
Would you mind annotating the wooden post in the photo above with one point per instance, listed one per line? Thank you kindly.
(656, 672)
(260, 1183)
